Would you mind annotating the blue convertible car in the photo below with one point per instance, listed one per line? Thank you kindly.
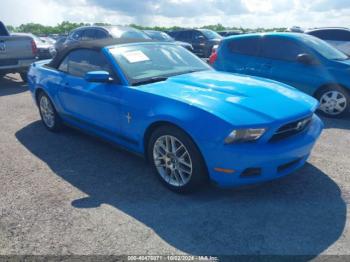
(191, 122)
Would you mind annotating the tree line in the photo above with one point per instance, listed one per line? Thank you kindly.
(65, 27)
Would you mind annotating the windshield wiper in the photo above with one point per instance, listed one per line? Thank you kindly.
(150, 80)
(190, 71)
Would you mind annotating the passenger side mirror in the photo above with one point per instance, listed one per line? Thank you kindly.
(306, 59)
(98, 76)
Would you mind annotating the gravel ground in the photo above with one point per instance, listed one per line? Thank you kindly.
(69, 193)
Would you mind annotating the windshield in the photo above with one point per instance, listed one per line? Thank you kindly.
(143, 62)
(127, 32)
(161, 36)
(323, 48)
(210, 34)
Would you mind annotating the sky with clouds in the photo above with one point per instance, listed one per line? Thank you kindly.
(189, 13)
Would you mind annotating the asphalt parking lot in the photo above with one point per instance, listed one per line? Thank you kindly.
(69, 193)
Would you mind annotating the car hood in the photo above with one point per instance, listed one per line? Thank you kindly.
(237, 99)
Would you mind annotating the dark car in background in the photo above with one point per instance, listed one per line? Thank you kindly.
(45, 50)
(164, 37)
(227, 33)
(337, 37)
(202, 40)
(17, 52)
(88, 33)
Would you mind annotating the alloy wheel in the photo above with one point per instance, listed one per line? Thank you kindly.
(47, 112)
(333, 102)
(172, 160)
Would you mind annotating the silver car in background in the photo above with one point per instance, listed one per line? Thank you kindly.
(87, 33)
(45, 49)
(17, 52)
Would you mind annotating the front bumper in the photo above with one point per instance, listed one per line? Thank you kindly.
(258, 162)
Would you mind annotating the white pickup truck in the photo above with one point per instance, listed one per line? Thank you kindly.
(16, 53)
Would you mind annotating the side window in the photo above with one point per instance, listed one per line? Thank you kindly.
(64, 65)
(245, 46)
(179, 35)
(79, 62)
(184, 35)
(196, 35)
(76, 35)
(89, 34)
(280, 49)
(100, 34)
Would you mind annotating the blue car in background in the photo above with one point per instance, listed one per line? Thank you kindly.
(190, 121)
(302, 61)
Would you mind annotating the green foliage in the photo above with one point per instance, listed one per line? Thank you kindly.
(65, 27)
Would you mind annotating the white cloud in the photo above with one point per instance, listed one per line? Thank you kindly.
(245, 13)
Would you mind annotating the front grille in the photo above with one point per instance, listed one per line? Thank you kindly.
(8, 62)
(291, 129)
(251, 172)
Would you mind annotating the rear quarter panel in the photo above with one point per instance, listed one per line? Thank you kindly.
(41, 77)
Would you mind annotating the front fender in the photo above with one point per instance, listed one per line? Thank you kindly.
(200, 125)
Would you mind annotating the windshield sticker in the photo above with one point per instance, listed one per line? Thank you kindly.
(136, 57)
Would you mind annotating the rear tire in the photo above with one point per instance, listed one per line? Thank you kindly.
(176, 160)
(334, 101)
(49, 116)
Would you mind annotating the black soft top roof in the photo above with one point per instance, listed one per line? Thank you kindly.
(94, 45)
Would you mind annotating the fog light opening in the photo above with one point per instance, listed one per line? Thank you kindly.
(224, 170)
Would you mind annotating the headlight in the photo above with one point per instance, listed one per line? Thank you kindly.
(244, 135)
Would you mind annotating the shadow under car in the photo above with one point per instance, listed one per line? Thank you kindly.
(301, 214)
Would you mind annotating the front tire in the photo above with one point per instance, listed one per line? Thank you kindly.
(176, 160)
(49, 116)
(334, 101)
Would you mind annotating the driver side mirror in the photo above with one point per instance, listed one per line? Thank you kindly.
(306, 59)
(98, 76)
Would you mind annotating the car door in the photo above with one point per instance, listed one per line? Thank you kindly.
(284, 66)
(94, 105)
